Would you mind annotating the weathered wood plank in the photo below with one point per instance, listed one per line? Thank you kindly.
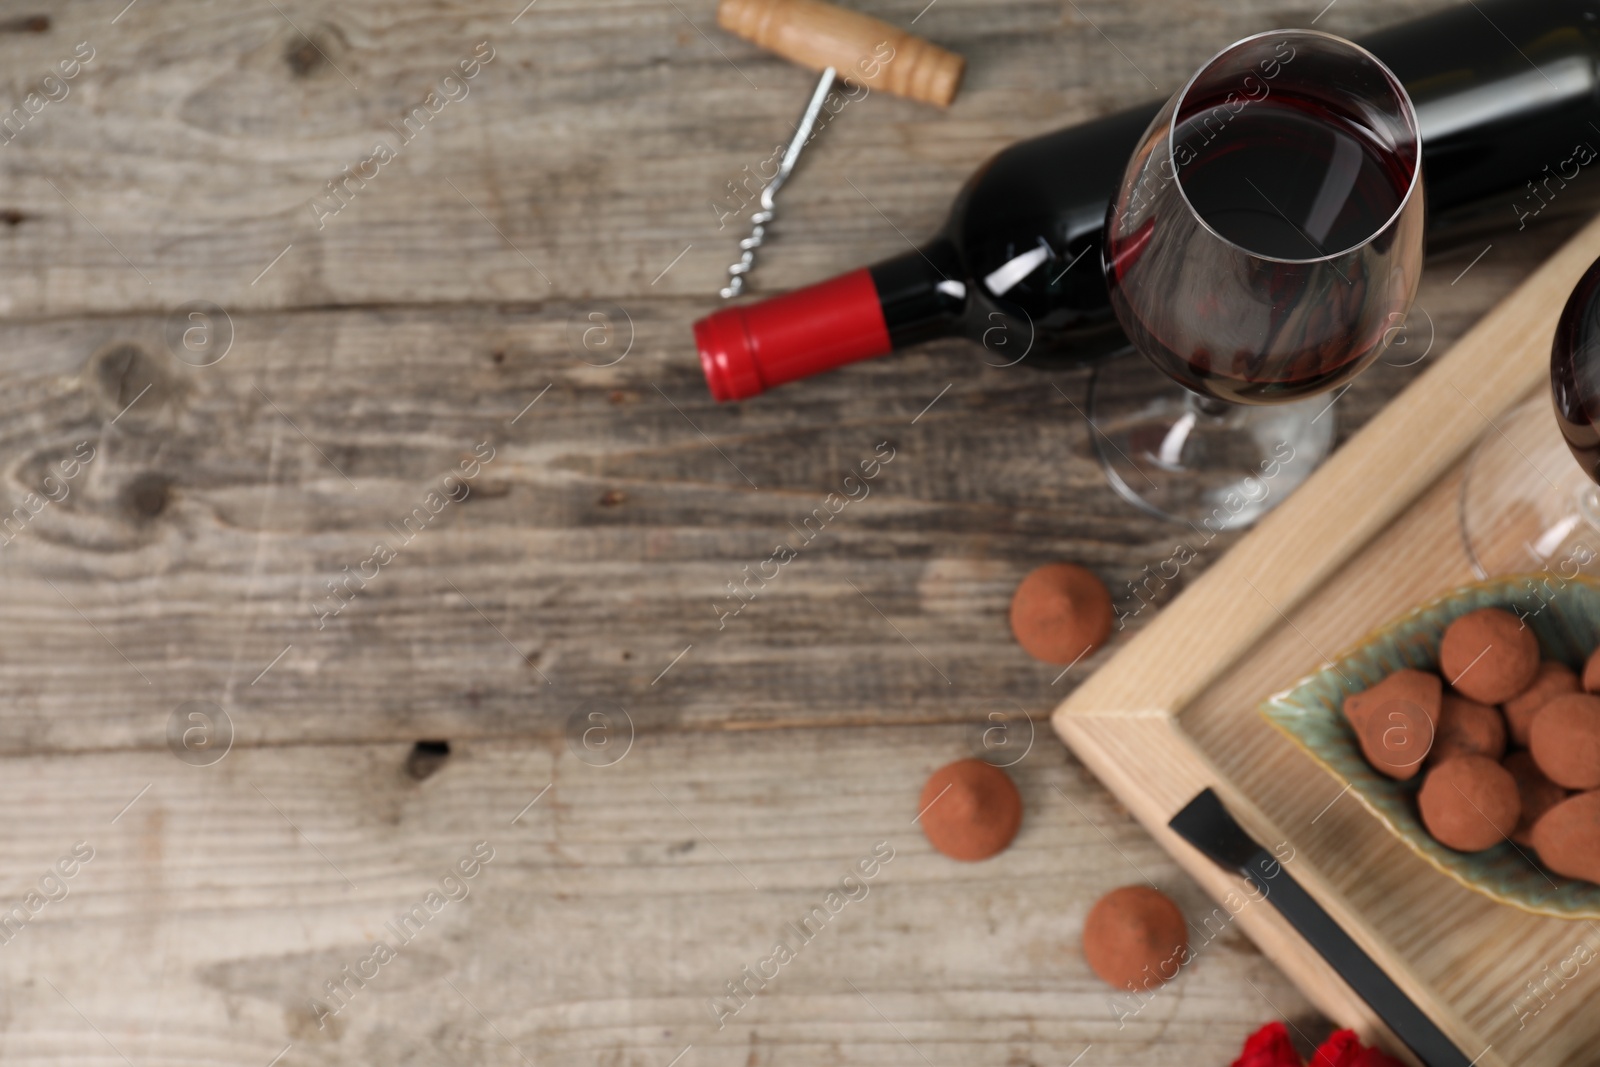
(612, 912)
(595, 547)
(185, 155)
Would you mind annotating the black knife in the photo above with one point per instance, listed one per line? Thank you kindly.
(1208, 826)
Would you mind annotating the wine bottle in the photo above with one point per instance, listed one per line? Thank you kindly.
(1507, 95)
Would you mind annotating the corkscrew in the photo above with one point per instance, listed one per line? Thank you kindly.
(760, 220)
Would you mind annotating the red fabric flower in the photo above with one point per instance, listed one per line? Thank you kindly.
(1270, 1047)
(1343, 1049)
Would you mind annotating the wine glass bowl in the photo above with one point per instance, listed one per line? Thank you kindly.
(1524, 505)
(1268, 232)
(1264, 247)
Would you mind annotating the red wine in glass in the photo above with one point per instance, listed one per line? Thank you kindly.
(1575, 372)
(1287, 179)
(1264, 246)
(1290, 158)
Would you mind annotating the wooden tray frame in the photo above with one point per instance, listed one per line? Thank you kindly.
(1370, 534)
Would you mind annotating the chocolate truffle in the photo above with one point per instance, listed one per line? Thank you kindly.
(1488, 655)
(1469, 803)
(1591, 673)
(1467, 728)
(1421, 688)
(1553, 680)
(1565, 741)
(1397, 738)
(1567, 838)
(1060, 613)
(1135, 938)
(1539, 794)
(1395, 721)
(970, 810)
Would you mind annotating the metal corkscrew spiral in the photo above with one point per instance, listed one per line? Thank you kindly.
(759, 221)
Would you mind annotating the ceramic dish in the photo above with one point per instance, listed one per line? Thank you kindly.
(1565, 616)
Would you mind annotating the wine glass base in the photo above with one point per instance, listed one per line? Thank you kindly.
(1525, 503)
(1206, 465)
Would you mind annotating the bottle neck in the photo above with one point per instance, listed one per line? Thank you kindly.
(868, 312)
(923, 293)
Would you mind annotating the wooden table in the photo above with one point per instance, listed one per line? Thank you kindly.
(345, 362)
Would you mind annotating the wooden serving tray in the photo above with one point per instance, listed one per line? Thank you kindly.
(1373, 533)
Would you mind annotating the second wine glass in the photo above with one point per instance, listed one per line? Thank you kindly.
(1263, 249)
(1525, 506)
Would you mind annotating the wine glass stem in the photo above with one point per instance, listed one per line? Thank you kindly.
(1208, 407)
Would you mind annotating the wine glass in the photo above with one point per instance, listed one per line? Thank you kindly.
(1263, 249)
(1524, 505)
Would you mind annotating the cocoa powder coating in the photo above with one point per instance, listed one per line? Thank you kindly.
(1591, 673)
(1395, 721)
(1060, 613)
(1567, 838)
(1396, 738)
(1421, 688)
(1488, 655)
(1565, 741)
(1552, 680)
(1539, 794)
(1135, 938)
(1469, 803)
(970, 810)
(1467, 728)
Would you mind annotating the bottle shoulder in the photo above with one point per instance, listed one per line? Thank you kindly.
(1027, 226)
(1053, 185)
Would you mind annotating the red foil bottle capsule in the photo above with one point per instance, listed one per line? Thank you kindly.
(746, 350)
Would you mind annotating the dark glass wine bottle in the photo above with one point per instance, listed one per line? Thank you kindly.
(1507, 94)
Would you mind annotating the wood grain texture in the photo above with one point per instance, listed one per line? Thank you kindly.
(1363, 540)
(582, 175)
(612, 913)
(592, 550)
(591, 148)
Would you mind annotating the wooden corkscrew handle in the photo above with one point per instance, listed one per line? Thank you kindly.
(864, 50)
